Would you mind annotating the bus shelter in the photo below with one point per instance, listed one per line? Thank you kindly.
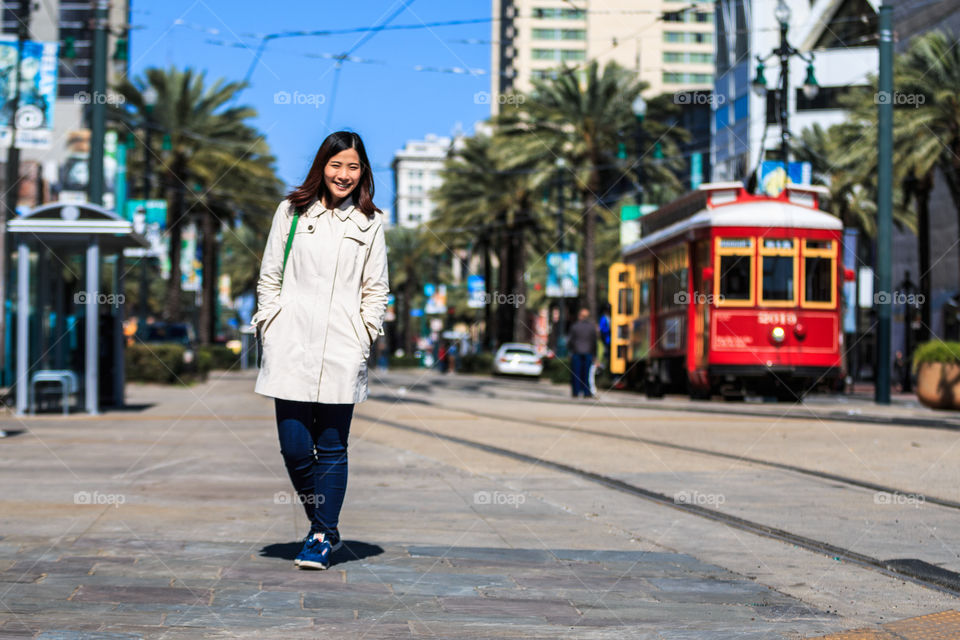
(67, 322)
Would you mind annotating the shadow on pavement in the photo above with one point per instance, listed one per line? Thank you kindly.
(351, 550)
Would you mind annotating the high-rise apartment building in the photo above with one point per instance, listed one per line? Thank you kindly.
(416, 171)
(669, 43)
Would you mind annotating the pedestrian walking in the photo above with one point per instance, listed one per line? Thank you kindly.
(604, 360)
(321, 298)
(582, 342)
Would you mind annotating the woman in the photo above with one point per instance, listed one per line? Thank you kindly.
(317, 317)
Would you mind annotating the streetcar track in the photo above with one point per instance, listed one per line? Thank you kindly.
(793, 411)
(915, 571)
(822, 475)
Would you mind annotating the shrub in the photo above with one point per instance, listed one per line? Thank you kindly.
(219, 357)
(557, 369)
(161, 363)
(476, 363)
(936, 351)
(403, 362)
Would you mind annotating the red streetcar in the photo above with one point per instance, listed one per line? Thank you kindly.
(729, 292)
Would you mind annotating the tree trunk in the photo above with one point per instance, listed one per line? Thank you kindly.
(488, 288)
(588, 271)
(208, 299)
(408, 340)
(922, 194)
(521, 329)
(172, 307)
(951, 173)
(504, 316)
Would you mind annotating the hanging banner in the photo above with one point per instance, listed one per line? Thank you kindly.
(477, 292)
(191, 277)
(563, 279)
(38, 92)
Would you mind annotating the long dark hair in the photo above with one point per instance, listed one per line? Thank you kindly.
(314, 185)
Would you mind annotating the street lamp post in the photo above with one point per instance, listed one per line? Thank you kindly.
(562, 305)
(784, 52)
(639, 108)
(150, 98)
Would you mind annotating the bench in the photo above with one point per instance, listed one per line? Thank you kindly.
(69, 384)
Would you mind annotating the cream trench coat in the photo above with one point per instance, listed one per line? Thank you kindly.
(317, 331)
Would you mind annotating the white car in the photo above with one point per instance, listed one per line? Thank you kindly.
(517, 359)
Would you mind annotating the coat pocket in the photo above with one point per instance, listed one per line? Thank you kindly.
(268, 321)
(363, 337)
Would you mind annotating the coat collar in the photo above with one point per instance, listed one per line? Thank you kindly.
(344, 210)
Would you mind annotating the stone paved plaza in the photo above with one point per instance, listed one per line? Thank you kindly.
(173, 519)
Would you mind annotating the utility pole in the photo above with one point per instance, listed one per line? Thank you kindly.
(98, 102)
(12, 184)
(884, 203)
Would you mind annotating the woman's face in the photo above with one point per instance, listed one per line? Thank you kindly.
(342, 174)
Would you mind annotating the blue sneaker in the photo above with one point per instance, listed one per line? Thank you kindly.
(307, 543)
(317, 550)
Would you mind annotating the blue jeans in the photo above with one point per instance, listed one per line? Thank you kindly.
(313, 442)
(580, 373)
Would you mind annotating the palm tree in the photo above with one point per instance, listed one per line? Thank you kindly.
(491, 194)
(207, 139)
(850, 178)
(927, 132)
(250, 198)
(585, 122)
(410, 262)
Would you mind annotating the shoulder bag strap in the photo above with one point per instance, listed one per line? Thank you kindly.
(286, 251)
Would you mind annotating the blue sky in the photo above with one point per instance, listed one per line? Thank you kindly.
(385, 100)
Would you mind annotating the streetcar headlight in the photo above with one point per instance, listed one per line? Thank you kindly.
(778, 334)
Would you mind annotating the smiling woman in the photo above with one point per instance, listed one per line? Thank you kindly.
(317, 318)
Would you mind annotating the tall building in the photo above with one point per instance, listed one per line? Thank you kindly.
(746, 128)
(68, 23)
(669, 43)
(416, 171)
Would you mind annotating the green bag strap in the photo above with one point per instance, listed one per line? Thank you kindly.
(286, 251)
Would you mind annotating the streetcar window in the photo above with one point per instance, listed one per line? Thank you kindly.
(644, 297)
(777, 277)
(825, 245)
(818, 280)
(735, 277)
(777, 243)
(672, 290)
(625, 306)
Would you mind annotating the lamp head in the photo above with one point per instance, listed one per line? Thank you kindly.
(150, 97)
(782, 13)
(810, 85)
(759, 84)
